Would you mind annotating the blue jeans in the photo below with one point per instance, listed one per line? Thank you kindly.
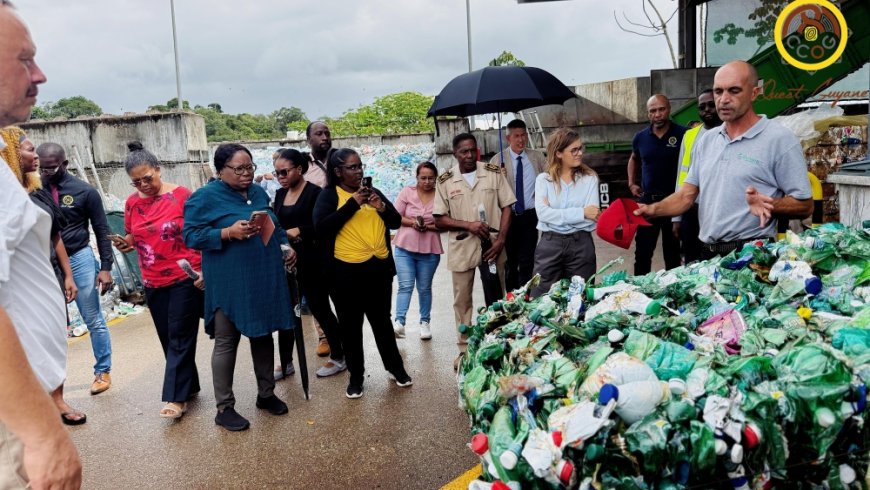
(411, 267)
(85, 268)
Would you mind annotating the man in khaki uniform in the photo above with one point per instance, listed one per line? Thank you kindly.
(458, 194)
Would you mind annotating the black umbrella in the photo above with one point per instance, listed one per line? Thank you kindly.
(297, 332)
(293, 285)
(497, 89)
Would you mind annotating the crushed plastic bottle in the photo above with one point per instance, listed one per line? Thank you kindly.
(745, 377)
(625, 301)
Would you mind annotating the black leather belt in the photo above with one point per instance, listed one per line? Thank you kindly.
(723, 248)
(553, 234)
(526, 212)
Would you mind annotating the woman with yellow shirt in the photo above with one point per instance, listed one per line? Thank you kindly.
(352, 224)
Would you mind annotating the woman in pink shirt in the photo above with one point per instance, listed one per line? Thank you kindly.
(417, 249)
(154, 219)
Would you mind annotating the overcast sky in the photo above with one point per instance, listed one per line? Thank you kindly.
(324, 56)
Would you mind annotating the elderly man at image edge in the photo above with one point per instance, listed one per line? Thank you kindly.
(35, 449)
(749, 161)
(458, 194)
(521, 166)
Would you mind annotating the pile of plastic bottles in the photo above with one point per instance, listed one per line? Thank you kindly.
(390, 166)
(746, 371)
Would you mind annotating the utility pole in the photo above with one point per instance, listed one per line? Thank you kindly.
(177, 65)
(468, 27)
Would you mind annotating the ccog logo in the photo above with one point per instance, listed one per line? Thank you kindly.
(810, 34)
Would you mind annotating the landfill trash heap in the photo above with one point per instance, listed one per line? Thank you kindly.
(745, 371)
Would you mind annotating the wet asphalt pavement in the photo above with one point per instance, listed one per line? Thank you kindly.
(391, 438)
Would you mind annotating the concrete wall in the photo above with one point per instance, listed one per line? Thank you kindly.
(612, 102)
(681, 86)
(100, 144)
(173, 137)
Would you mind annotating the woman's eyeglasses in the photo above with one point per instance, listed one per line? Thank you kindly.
(144, 180)
(241, 169)
(577, 150)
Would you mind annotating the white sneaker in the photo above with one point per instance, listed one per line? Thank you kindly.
(398, 329)
(331, 367)
(425, 331)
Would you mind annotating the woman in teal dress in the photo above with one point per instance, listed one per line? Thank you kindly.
(245, 285)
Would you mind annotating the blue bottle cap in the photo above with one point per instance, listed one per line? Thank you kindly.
(689, 345)
(861, 404)
(608, 392)
(813, 285)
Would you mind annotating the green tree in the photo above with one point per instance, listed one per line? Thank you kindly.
(172, 104)
(506, 58)
(286, 115)
(404, 112)
(215, 106)
(68, 107)
(39, 112)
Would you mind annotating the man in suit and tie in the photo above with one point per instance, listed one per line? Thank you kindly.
(520, 165)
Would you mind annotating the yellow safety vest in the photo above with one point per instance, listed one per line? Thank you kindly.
(688, 142)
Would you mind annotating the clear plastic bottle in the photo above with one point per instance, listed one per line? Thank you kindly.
(627, 301)
(635, 400)
(596, 294)
(796, 271)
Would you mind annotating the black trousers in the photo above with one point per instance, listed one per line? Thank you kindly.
(689, 231)
(365, 290)
(176, 310)
(522, 238)
(645, 244)
(223, 361)
(312, 285)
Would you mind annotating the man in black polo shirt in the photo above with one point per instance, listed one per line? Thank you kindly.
(83, 206)
(655, 152)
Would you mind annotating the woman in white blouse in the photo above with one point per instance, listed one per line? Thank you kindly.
(566, 200)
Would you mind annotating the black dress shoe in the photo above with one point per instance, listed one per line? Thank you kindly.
(273, 404)
(229, 419)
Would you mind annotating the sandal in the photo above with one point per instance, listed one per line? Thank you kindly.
(73, 417)
(173, 410)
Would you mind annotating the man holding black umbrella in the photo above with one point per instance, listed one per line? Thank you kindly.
(469, 198)
(521, 166)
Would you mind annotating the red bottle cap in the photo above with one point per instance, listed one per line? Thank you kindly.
(565, 471)
(480, 444)
(499, 485)
(751, 436)
(557, 438)
(509, 296)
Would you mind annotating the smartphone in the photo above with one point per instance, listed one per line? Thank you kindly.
(420, 221)
(258, 218)
(367, 182)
